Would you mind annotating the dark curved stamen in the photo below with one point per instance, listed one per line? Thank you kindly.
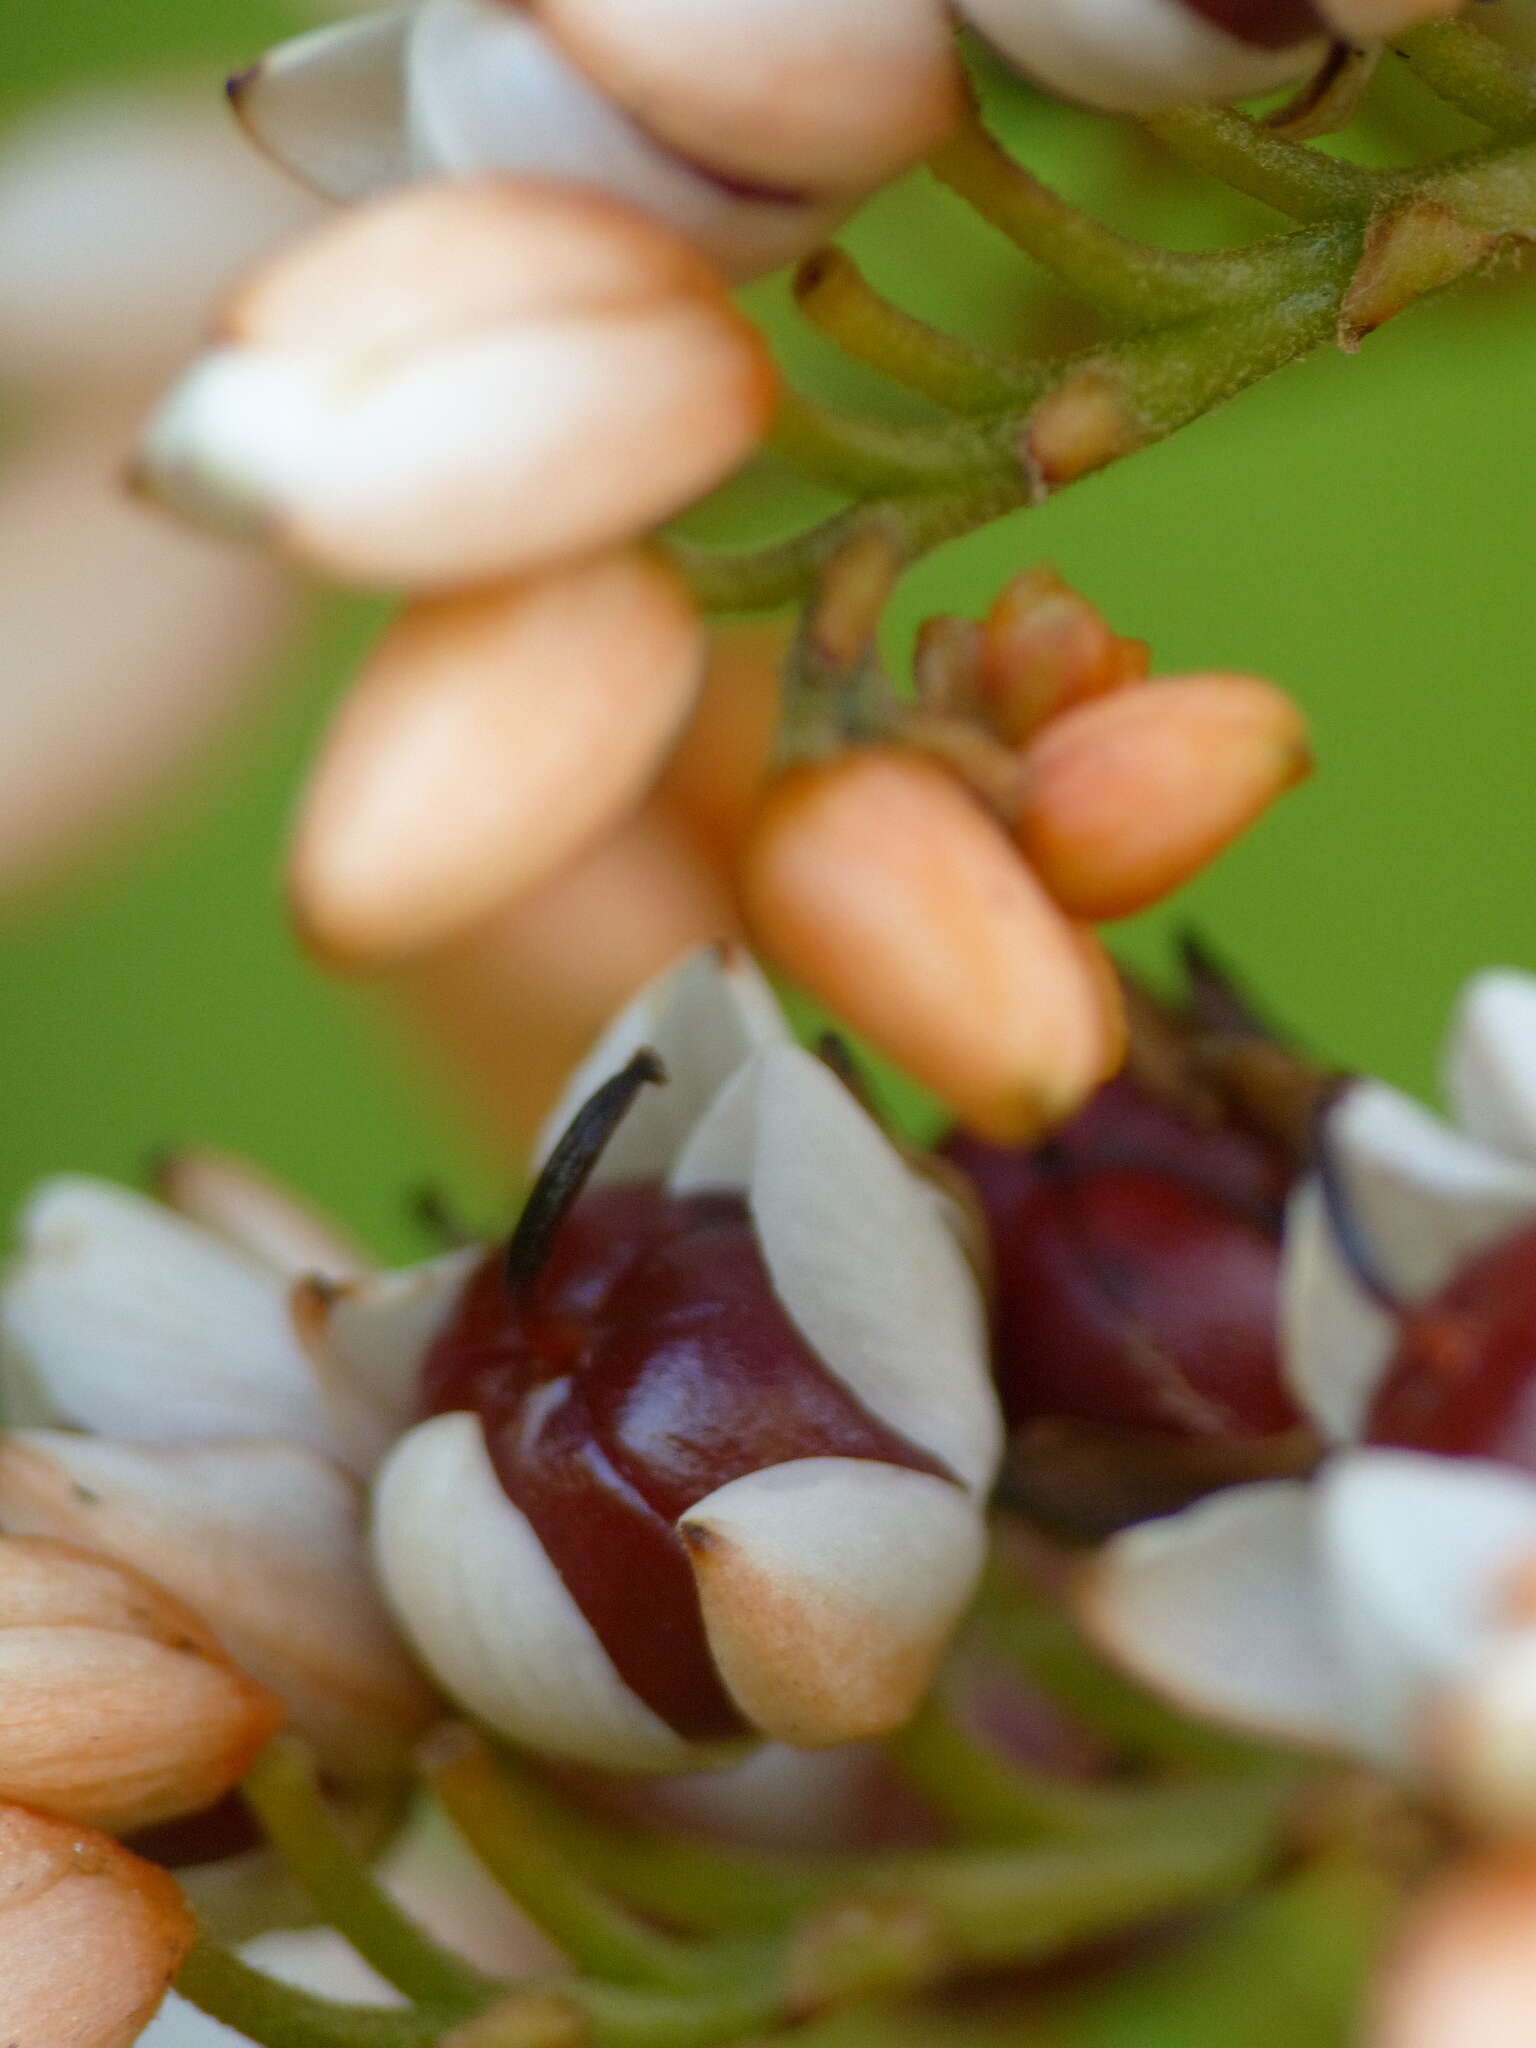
(1344, 1219)
(570, 1166)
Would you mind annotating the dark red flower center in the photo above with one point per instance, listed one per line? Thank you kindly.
(648, 1363)
(1462, 1380)
(1138, 1265)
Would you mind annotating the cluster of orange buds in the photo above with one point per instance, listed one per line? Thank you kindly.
(938, 888)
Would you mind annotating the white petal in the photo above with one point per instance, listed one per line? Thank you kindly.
(1223, 1609)
(133, 647)
(705, 1016)
(256, 1214)
(1416, 1548)
(266, 1542)
(1491, 1062)
(330, 106)
(1336, 1341)
(489, 90)
(830, 1589)
(123, 212)
(120, 1317)
(859, 1254)
(368, 1341)
(1427, 1199)
(487, 455)
(1132, 58)
(474, 1589)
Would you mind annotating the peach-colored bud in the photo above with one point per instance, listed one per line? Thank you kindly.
(1126, 798)
(831, 95)
(462, 382)
(1043, 649)
(118, 1708)
(491, 739)
(716, 774)
(516, 1002)
(1462, 1973)
(90, 1937)
(882, 884)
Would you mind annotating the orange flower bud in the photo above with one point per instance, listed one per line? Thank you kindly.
(491, 739)
(118, 1708)
(1125, 799)
(880, 883)
(1044, 648)
(90, 1937)
(719, 766)
(1462, 1969)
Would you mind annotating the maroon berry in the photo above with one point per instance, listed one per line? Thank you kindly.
(1137, 1267)
(647, 1363)
(1462, 1380)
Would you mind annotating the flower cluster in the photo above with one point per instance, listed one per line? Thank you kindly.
(699, 1456)
(1384, 1608)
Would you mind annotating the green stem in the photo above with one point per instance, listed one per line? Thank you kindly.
(868, 458)
(1493, 188)
(283, 1793)
(1472, 73)
(484, 1798)
(835, 296)
(1132, 281)
(992, 1798)
(705, 1887)
(999, 1908)
(275, 2015)
(1291, 178)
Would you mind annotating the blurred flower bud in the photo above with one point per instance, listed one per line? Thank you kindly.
(1136, 56)
(717, 771)
(1044, 649)
(90, 1937)
(265, 1541)
(491, 739)
(118, 1709)
(1461, 1968)
(879, 882)
(516, 1001)
(830, 95)
(461, 87)
(464, 382)
(709, 1440)
(1127, 798)
(122, 211)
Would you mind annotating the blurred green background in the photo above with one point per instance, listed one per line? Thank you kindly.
(1360, 529)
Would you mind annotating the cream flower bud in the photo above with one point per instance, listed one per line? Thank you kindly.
(1135, 56)
(1460, 1968)
(490, 740)
(833, 95)
(118, 1708)
(800, 1520)
(881, 883)
(1127, 797)
(90, 1937)
(460, 87)
(264, 1540)
(558, 376)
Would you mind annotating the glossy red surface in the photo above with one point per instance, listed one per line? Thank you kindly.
(1138, 1266)
(651, 1363)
